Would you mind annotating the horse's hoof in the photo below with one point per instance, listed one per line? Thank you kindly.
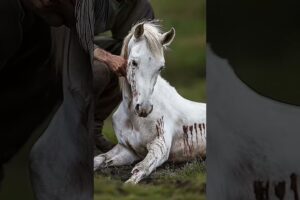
(137, 168)
(98, 161)
(130, 181)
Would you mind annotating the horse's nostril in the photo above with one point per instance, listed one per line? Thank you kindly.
(137, 107)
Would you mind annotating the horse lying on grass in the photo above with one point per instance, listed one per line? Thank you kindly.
(153, 122)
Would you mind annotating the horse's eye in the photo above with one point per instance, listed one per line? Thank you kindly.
(134, 63)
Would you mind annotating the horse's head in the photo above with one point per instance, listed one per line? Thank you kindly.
(145, 62)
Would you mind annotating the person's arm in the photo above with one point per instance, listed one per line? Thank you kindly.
(116, 63)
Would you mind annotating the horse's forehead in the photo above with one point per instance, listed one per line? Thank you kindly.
(139, 45)
(140, 49)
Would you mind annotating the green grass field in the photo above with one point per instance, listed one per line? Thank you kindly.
(185, 62)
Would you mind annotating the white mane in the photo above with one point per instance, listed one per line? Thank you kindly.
(152, 34)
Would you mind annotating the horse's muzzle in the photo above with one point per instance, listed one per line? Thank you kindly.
(143, 110)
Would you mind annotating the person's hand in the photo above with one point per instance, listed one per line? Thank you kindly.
(116, 63)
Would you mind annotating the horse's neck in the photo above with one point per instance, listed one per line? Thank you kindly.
(165, 89)
(161, 87)
(126, 90)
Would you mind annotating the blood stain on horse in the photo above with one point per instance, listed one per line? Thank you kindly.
(160, 128)
(185, 139)
(188, 143)
(157, 130)
(280, 190)
(195, 127)
(185, 129)
(294, 185)
(203, 125)
(199, 125)
(191, 131)
(261, 190)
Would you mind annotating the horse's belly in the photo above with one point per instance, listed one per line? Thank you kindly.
(187, 147)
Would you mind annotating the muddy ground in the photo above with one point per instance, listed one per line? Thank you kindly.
(170, 181)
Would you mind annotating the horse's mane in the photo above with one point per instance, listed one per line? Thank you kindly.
(152, 33)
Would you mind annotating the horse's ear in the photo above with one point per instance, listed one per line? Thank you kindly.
(168, 37)
(139, 31)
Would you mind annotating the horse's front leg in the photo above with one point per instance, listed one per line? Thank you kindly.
(158, 153)
(117, 156)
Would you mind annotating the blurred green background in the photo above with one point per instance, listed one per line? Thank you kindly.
(185, 62)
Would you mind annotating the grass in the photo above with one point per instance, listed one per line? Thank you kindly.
(186, 182)
(185, 62)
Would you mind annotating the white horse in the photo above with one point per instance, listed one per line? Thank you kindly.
(153, 123)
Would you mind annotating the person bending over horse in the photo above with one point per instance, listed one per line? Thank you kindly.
(121, 15)
(38, 35)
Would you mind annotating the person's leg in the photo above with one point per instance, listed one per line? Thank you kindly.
(107, 96)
